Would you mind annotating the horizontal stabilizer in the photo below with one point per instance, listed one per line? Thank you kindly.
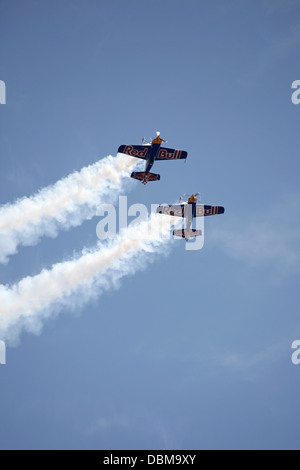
(141, 175)
(187, 234)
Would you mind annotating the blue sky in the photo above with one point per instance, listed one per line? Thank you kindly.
(194, 351)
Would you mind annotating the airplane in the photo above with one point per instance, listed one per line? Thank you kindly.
(151, 151)
(189, 209)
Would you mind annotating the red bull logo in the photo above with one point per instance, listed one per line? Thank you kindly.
(133, 152)
(211, 211)
(171, 210)
(165, 155)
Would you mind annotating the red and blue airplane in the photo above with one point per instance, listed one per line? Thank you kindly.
(150, 152)
(189, 209)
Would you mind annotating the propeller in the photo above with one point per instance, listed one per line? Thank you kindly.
(149, 141)
(185, 195)
(158, 135)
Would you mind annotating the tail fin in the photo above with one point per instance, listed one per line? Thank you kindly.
(141, 175)
(187, 234)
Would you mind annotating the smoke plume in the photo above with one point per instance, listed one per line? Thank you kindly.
(66, 204)
(69, 284)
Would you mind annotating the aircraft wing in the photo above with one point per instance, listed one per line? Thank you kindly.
(171, 154)
(177, 210)
(183, 210)
(138, 151)
(204, 210)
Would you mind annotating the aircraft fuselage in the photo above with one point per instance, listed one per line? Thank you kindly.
(151, 156)
(189, 214)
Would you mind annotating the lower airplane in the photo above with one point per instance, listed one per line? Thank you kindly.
(151, 151)
(189, 209)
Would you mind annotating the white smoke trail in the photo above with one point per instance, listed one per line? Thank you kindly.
(67, 284)
(66, 204)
